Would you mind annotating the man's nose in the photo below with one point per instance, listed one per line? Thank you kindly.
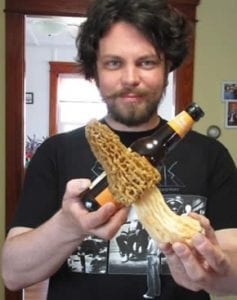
(130, 76)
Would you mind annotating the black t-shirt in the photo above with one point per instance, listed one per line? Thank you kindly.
(198, 175)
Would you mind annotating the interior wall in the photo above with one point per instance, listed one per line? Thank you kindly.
(215, 62)
(37, 58)
(2, 131)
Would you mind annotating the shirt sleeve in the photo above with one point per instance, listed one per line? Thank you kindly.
(39, 198)
(222, 190)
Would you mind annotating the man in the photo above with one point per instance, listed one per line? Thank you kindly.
(128, 47)
(132, 242)
(153, 270)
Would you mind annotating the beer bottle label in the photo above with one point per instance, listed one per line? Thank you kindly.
(181, 124)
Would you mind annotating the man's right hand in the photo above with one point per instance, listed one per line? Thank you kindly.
(31, 255)
(103, 223)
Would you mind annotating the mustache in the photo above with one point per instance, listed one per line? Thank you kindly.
(124, 92)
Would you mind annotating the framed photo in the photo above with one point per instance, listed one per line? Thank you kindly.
(229, 90)
(231, 114)
(29, 98)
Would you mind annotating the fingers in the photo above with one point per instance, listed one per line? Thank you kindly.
(103, 222)
(205, 223)
(101, 216)
(214, 257)
(203, 261)
(106, 221)
(192, 263)
(176, 265)
(199, 266)
(209, 248)
(188, 269)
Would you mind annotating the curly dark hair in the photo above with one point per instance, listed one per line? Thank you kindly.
(165, 27)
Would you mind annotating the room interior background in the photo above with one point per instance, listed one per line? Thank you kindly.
(215, 61)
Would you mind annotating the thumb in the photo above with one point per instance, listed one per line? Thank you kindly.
(75, 187)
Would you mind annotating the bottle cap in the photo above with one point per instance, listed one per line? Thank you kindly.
(195, 111)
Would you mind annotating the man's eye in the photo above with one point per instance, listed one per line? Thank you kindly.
(148, 64)
(112, 64)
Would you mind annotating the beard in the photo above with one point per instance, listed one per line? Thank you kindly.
(133, 114)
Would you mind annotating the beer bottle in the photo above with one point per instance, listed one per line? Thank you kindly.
(154, 147)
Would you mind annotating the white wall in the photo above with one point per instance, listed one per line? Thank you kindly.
(37, 81)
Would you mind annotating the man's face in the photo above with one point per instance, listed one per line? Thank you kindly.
(131, 76)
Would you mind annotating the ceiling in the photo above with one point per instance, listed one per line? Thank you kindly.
(52, 31)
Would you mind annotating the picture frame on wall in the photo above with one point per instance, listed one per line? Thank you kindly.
(29, 98)
(231, 114)
(229, 90)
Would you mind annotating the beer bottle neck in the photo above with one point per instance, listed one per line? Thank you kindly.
(181, 124)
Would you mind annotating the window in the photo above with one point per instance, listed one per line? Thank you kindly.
(78, 102)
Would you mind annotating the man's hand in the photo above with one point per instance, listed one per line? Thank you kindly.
(103, 223)
(48, 246)
(204, 265)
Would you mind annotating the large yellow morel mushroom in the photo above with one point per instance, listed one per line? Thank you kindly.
(133, 181)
